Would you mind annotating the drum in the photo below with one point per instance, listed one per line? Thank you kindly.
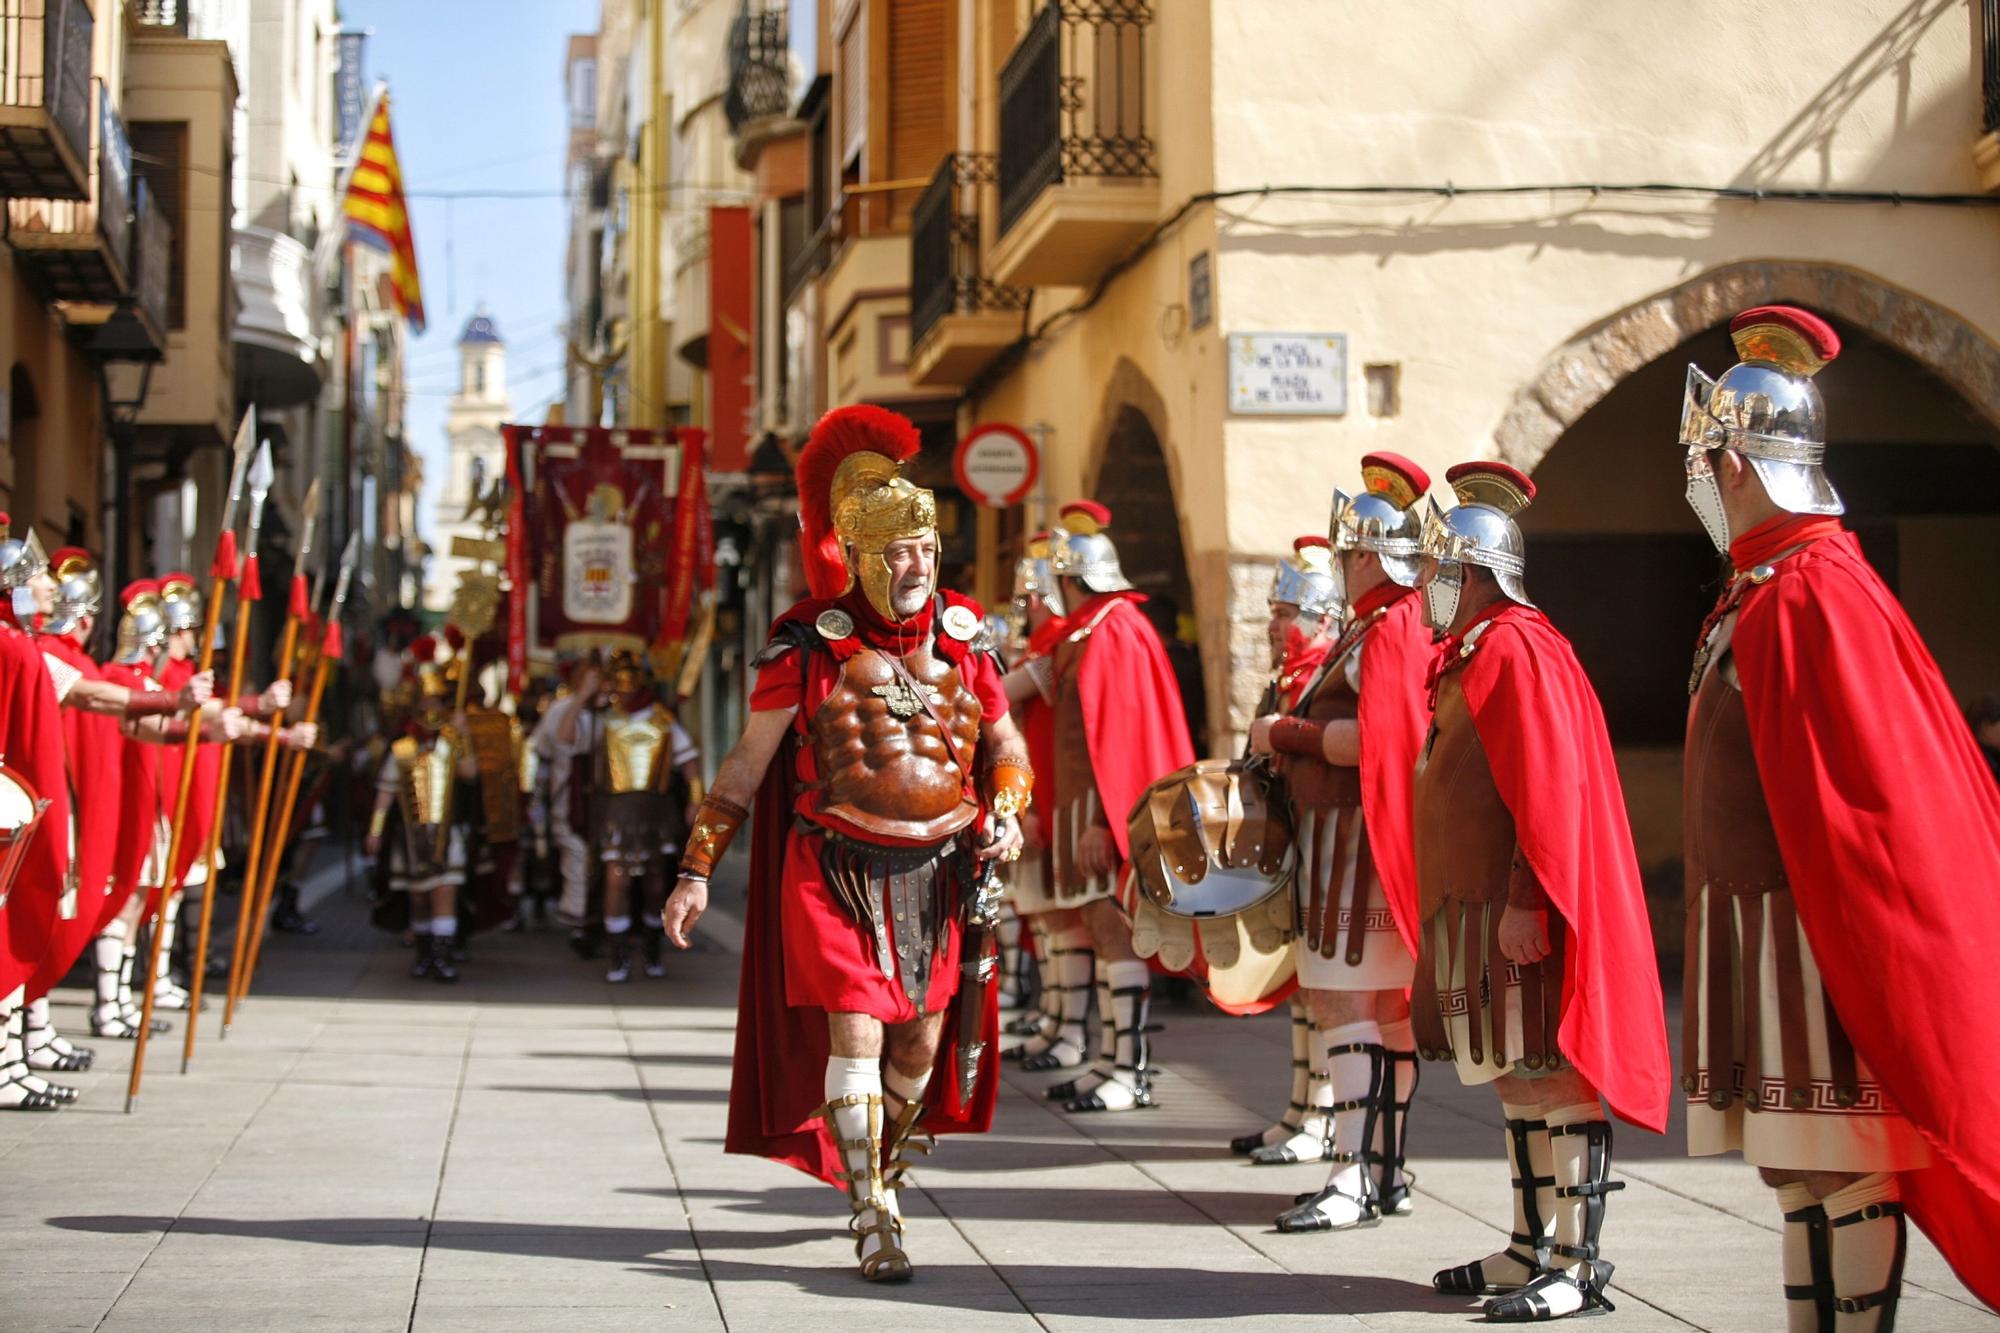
(1214, 863)
(21, 809)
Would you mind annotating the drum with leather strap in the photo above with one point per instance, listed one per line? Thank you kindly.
(21, 810)
(1214, 866)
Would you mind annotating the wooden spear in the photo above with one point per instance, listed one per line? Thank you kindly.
(221, 573)
(298, 609)
(329, 653)
(249, 591)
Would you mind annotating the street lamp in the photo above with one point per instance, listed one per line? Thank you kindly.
(126, 354)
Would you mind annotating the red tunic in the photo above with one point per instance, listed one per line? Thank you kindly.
(140, 805)
(802, 953)
(93, 746)
(175, 673)
(1889, 825)
(1539, 722)
(1133, 720)
(31, 744)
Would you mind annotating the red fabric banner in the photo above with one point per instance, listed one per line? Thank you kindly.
(731, 314)
(517, 564)
(690, 506)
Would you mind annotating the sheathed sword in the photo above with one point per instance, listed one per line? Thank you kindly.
(978, 962)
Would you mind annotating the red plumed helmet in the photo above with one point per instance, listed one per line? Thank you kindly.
(455, 637)
(423, 650)
(138, 588)
(841, 434)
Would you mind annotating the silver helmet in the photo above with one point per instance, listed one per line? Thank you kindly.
(1479, 531)
(79, 589)
(1035, 575)
(1766, 408)
(180, 598)
(1384, 518)
(1080, 549)
(21, 558)
(142, 630)
(1307, 580)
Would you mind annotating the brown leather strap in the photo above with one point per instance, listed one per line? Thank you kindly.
(1752, 1017)
(1357, 899)
(1720, 993)
(1793, 1048)
(1472, 968)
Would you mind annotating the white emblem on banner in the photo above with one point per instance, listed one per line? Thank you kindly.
(597, 563)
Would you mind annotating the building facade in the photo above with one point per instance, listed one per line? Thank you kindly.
(475, 453)
(1102, 223)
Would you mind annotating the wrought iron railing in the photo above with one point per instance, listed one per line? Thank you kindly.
(760, 83)
(152, 258)
(946, 241)
(45, 62)
(169, 14)
(114, 182)
(1989, 45)
(1073, 100)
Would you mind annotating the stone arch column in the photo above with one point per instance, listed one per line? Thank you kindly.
(1583, 370)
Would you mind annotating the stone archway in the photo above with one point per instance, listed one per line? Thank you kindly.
(1582, 371)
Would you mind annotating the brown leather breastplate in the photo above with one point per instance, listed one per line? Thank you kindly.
(1314, 783)
(1464, 832)
(1074, 774)
(1730, 842)
(884, 764)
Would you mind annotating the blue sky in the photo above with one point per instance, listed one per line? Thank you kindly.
(476, 100)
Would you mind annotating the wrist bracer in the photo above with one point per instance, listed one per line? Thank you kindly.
(1297, 736)
(715, 825)
(152, 703)
(1010, 785)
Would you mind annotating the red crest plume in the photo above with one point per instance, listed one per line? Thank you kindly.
(841, 433)
(138, 588)
(1497, 485)
(1785, 335)
(1085, 517)
(423, 649)
(1300, 545)
(1395, 476)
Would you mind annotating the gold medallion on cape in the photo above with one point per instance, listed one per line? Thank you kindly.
(961, 623)
(834, 624)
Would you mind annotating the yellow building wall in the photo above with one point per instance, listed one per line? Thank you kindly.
(54, 462)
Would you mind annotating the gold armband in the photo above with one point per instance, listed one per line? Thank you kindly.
(378, 821)
(715, 825)
(1011, 784)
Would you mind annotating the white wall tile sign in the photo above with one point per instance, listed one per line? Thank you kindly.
(1288, 374)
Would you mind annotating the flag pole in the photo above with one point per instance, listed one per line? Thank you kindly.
(221, 573)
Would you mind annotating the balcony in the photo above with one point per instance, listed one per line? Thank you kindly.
(1078, 181)
(170, 16)
(45, 99)
(960, 319)
(81, 250)
(865, 293)
(276, 336)
(759, 91)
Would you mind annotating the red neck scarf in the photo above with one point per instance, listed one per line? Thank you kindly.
(1449, 646)
(900, 637)
(1382, 594)
(1774, 536)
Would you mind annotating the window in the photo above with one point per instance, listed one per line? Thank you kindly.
(479, 379)
(159, 155)
(583, 94)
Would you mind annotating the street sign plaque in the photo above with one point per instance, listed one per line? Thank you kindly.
(1288, 374)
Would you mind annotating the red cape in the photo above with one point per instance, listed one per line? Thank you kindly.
(93, 746)
(778, 1076)
(139, 804)
(1132, 716)
(1395, 714)
(1889, 824)
(31, 743)
(173, 674)
(1544, 736)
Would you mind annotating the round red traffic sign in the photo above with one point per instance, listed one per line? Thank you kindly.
(996, 465)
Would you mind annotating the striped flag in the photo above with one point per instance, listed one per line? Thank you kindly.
(374, 206)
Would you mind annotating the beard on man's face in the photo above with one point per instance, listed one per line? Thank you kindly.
(909, 595)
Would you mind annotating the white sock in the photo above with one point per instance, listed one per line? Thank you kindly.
(1075, 968)
(1350, 1078)
(1865, 1249)
(422, 927)
(861, 1124)
(651, 920)
(902, 1087)
(617, 925)
(170, 917)
(444, 926)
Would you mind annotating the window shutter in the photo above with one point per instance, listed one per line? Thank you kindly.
(159, 155)
(921, 96)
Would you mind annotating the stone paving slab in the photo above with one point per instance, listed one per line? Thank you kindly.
(533, 1149)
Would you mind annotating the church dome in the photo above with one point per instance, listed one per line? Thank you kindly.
(480, 329)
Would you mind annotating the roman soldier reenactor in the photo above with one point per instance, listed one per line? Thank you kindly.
(1119, 725)
(1348, 749)
(1305, 617)
(1057, 1032)
(1535, 969)
(643, 811)
(867, 979)
(31, 746)
(1843, 842)
(424, 802)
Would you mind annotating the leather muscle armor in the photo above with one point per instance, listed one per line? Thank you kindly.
(1074, 774)
(1731, 845)
(1314, 783)
(1464, 832)
(885, 765)
(426, 773)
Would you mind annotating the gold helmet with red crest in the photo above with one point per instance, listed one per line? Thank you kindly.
(181, 597)
(1767, 409)
(854, 501)
(142, 629)
(79, 589)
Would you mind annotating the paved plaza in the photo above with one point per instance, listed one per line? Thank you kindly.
(536, 1150)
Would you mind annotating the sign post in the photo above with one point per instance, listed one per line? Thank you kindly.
(996, 465)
